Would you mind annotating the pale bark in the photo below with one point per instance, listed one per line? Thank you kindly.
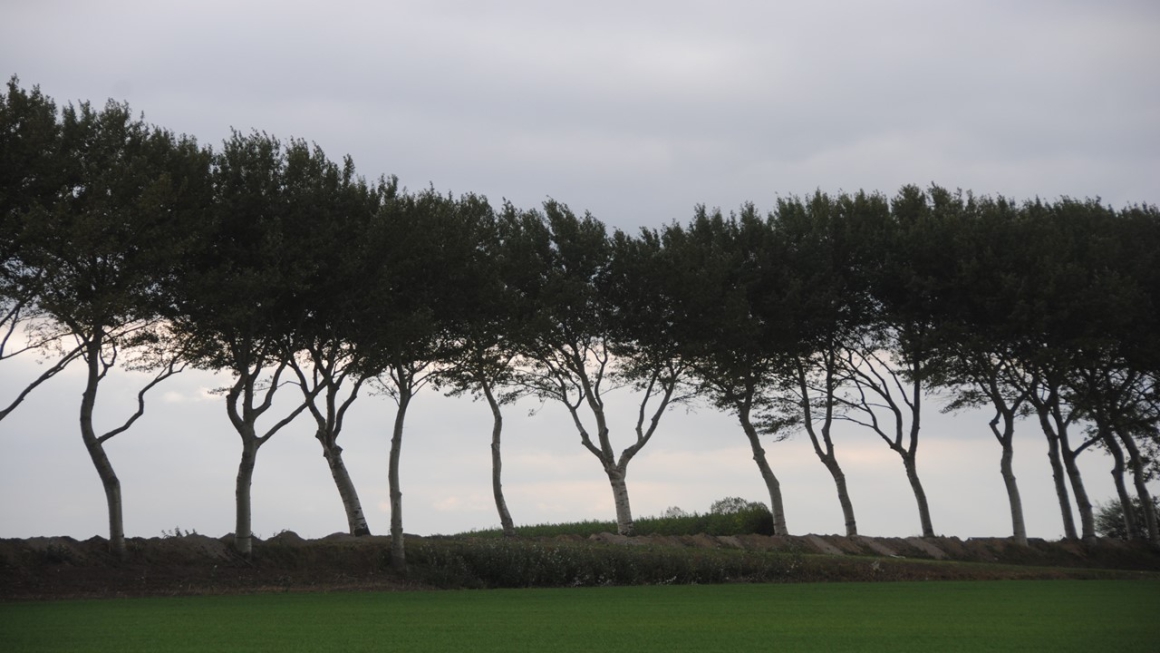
(574, 379)
(767, 475)
(243, 534)
(96, 449)
(243, 409)
(1140, 478)
(355, 519)
(824, 445)
(95, 444)
(1006, 437)
(328, 374)
(910, 465)
(866, 371)
(1055, 428)
(1083, 504)
(616, 477)
(1059, 477)
(398, 546)
(505, 518)
(1118, 468)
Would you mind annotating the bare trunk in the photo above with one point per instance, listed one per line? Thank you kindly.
(355, 519)
(617, 477)
(505, 517)
(831, 464)
(96, 449)
(767, 475)
(1054, 426)
(919, 495)
(398, 547)
(1059, 476)
(1017, 525)
(1005, 438)
(1118, 467)
(1139, 478)
(1083, 504)
(1087, 520)
(243, 534)
(824, 446)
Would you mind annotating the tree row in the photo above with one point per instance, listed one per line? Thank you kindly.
(126, 245)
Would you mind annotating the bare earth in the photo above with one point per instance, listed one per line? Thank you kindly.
(60, 567)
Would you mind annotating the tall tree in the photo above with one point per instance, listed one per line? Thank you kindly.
(824, 297)
(95, 252)
(721, 292)
(329, 217)
(484, 327)
(234, 300)
(31, 174)
(420, 243)
(983, 338)
(890, 363)
(569, 352)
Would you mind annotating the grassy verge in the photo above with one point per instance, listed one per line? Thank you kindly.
(1052, 616)
(753, 518)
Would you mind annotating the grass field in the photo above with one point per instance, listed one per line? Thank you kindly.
(1052, 616)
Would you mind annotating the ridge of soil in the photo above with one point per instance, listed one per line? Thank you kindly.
(43, 568)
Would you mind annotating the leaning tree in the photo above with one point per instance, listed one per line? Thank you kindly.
(96, 251)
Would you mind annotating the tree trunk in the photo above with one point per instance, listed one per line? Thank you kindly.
(1017, 525)
(831, 464)
(767, 475)
(911, 466)
(96, 449)
(616, 477)
(398, 547)
(355, 519)
(243, 535)
(1118, 467)
(1139, 478)
(1087, 519)
(505, 517)
(1006, 438)
(1058, 475)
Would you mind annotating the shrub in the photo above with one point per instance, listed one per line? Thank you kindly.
(1110, 519)
(499, 562)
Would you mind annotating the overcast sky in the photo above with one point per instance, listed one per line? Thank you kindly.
(635, 111)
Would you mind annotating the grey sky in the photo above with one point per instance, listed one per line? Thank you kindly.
(635, 111)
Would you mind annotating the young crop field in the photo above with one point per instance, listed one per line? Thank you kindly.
(1051, 616)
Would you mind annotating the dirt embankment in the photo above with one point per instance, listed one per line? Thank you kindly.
(61, 567)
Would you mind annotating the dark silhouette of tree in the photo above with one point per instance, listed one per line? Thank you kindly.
(234, 300)
(722, 292)
(94, 251)
(31, 173)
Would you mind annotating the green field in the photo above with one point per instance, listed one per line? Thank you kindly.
(933, 616)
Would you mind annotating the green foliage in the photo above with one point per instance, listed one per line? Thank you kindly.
(729, 516)
(507, 562)
(1110, 519)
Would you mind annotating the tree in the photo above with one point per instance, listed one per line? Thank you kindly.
(822, 294)
(329, 216)
(483, 331)
(403, 336)
(718, 287)
(234, 299)
(31, 168)
(95, 251)
(578, 346)
(983, 366)
(889, 363)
